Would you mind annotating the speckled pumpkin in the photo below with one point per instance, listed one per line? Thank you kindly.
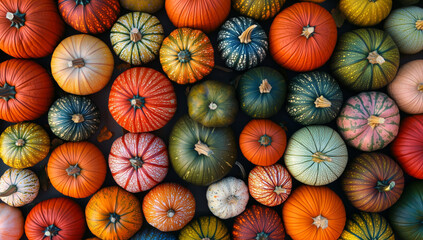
(18, 187)
(149, 6)
(367, 226)
(364, 12)
(206, 227)
(258, 9)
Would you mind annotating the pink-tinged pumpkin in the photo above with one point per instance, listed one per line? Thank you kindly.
(11, 223)
(369, 121)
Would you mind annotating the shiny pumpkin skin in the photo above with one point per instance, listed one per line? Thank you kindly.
(153, 234)
(186, 55)
(206, 227)
(148, 6)
(365, 13)
(258, 9)
(350, 64)
(26, 183)
(367, 226)
(12, 222)
(23, 145)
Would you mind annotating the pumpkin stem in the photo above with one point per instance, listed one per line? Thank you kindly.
(384, 187)
(375, 58)
(137, 102)
(184, 56)
(319, 157)
(245, 37)
(322, 102)
(82, 2)
(262, 236)
(244, 174)
(320, 221)
(9, 191)
(51, 231)
(135, 35)
(307, 31)
(279, 190)
(73, 170)
(20, 142)
(114, 218)
(206, 238)
(265, 140)
(232, 199)
(77, 63)
(212, 106)
(420, 87)
(78, 118)
(202, 148)
(7, 92)
(170, 213)
(419, 24)
(17, 19)
(265, 86)
(374, 121)
(136, 162)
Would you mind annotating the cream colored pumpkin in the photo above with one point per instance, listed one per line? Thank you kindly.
(18, 187)
(11, 223)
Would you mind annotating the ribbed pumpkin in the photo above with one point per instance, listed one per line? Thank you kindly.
(242, 43)
(186, 55)
(149, 6)
(153, 234)
(136, 37)
(142, 100)
(18, 187)
(11, 222)
(82, 64)
(369, 121)
(365, 59)
(367, 226)
(314, 98)
(258, 9)
(302, 37)
(206, 227)
(23, 145)
(364, 12)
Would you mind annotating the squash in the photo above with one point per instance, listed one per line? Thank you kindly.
(314, 98)
(11, 222)
(113, 213)
(302, 37)
(142, 100)
(369, 121)
(18, 187)
(169, 207)
(262, 142)
(206, 227)
(30, 29)
(314, 213)
(153, 234)
(242, 43)
(367, 226)
(74, 118)
(270, 185)
(316, 155)
(365, 13)
(148, 6)
(55, 218)
(201, 155)
(136, 37)
(23, 145)
(186, 55)
(365, 59)
(227, 198)
(212, 103)
(258, 9)
(138, 161)
(82, 64)
(373, 182)
(261, 92)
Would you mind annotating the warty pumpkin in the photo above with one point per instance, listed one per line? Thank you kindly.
(367, 226)
(365, 13)
(206, 227)
(11, 222)
(258, 9)
(148, 6)
(18, 187)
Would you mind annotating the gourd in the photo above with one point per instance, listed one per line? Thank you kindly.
(153, 234)
(206, 227)
(11, 222)
(367, 226)
(18, 187)
(258, 9)
(365, 13)
(149, 6)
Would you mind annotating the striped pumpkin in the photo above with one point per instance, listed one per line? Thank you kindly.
(153, 234)
(206, 227)
(18, 187)
(364, 12)
(367, 226)
(258, 9)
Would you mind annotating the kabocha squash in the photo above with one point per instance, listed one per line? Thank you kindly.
(261, 92)
(11, 222)
(365, 59)
(367, 226)
(314, 98)
(149, 6)
(153, 234)
(206, 227)
(369, 121)
(242, 43)
(316, 155)
(18, 187)
(258, 9)
(136, 37)
(186, 55)
(201, 155)
(212, 103)
(364, 12)
(142, 100)
(169, 207)
(302, 37)
(23, 145)
(82, 64)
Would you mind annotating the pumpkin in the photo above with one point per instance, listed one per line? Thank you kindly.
(316, 155)
(142, 100)
(206, 227)
(270, 185)
(373, 182)
(261, 92)
(227, 198)
(302, 37)
(313, 213)
(258, 222)
(113, 213)
(149, 6)
(369, 121)
(55, 218)
(262, 142)
(74, 118)
(11, 222)
(136, 37)
(365, 13)
(23, 145)
(18, 187)
(26, 90)
(242, 43)
(186, 55)
(77, 169)
(258, 9)
(407, 87)
(169, 207)
(365, 59)
(367, 226)
(212, 103)
(89, 16)
(199, 154)
(153, 234)
(138, 161)
(204, 15)
(30, 29)
(82, 64)
(314, 98)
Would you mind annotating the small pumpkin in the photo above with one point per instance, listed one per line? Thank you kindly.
(258, 9)
(148, 6)
(11, 222)
(153, 234)
(367, 226)
(365, 13)
(18, 187)
(206, 227)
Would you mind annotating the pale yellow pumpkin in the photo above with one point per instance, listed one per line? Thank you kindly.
(18, 187)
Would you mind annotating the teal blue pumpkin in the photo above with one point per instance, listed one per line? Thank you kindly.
(153, 234)
(73, 118)
(242, 43)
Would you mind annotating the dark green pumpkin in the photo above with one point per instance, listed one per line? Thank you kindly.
(261, 92)
(314, 98)
(199, 154)
(367, 226)
(258, 9)
(207, 227)
(212, 103)
(73, 118)
(153, 234)
(365, 59)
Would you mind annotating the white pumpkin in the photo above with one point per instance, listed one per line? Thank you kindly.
(18, 187)
(227, 198)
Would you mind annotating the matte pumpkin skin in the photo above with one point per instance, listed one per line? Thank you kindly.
(12, 222)
(258, 9)
(153, 234)
(365, 13)
(206, 227)
(149, 6)
(367, 226)
(26, 185)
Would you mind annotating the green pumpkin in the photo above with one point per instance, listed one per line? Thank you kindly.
(258, 9)
(153, 234)
(212, 103)
(367, 226)
(199, 154)
(207, 227)
(261, 92)
(365, 59)
(314, 98)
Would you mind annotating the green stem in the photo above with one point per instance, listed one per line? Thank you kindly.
(137, 102)
(262, 236)
(383, 186)
(82, 2)
(7, 92)
(51, 231)
(9, 191)
(17, 19)
(184, 56)
(136, 162)
(265, 140)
